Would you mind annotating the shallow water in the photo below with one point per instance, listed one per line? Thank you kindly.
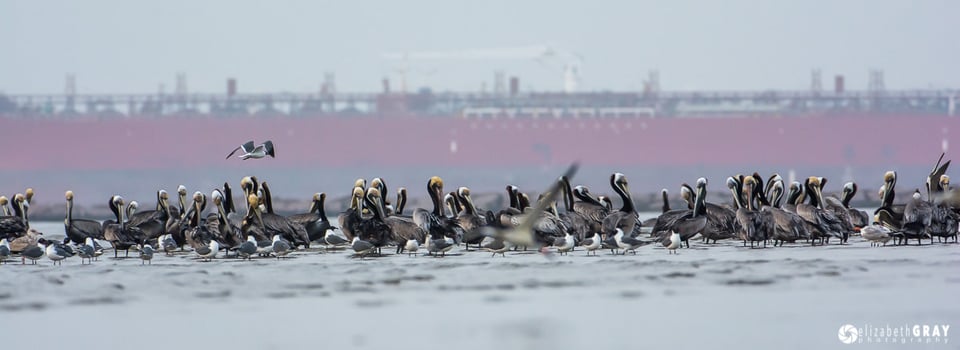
(709, 296)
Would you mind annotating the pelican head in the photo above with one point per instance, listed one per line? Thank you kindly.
(435, 184)
(360, 183)
(69, 196)
(732, 183)
(889, 176)
(463, 192)
(182, 190)
(944, 182)
(701, 182)
(29, 194)
(164, 195)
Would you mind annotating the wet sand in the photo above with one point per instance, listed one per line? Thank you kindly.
(716, 296)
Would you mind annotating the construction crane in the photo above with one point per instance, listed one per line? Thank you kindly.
(542, 54)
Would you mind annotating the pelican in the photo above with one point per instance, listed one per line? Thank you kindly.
(578, 223)
(625, 218)
(198, 234)
(917, 217)
(687, 222)
(273, 224)
(120, 235)
(470, 219)
(402, 228)
(153, 223)
(789, 227)
(754, 226)
(78, 230)
(255, 152)
(374, 229)
(220, 225)
(825, 223)
(16, 225)
(858, 218)
(435, 222)
(315, 221)
(350, 219)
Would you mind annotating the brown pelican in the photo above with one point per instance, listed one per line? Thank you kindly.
(835, 205)
(381, 185)
(581, 225)
(197, 233)
(267, 197)
(315, 221)
(747, 220)
(182, 199)
(121, 235)
(224, 229)
(403, 229)
(255, 152)
(685, 222)
(889, 214)
(787, 226)
(78, 230)
(374, 229)
(401, 199)
(934, 183)
(764, 222)
(594, 209)
(605, 202)
(274, 224)
(436, 222)
(153, 223)
(858, 218)
(453, 204)
(3, 204)
(349, 219)
(917, 217)
(16, 225)
(626, 218)
(824, 223)
(470, 220)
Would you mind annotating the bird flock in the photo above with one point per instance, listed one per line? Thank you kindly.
(762, 210)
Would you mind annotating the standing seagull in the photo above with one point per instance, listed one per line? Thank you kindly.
(87, 250)
(146, 254)
(249, 151)
(280, 247)
(672, 243)
(4, 249)
(55, 252)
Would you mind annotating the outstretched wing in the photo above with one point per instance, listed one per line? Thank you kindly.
(268, 146)
(247, 147)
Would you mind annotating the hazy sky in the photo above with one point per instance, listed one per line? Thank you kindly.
(134, 46)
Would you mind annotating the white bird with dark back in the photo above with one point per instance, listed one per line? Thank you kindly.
(255, 152)
(592, 244)
(672, 242)
(411, 247)
(209, 251)
(146, 254)
(564, 245)
(4, 250)
(280, 247)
